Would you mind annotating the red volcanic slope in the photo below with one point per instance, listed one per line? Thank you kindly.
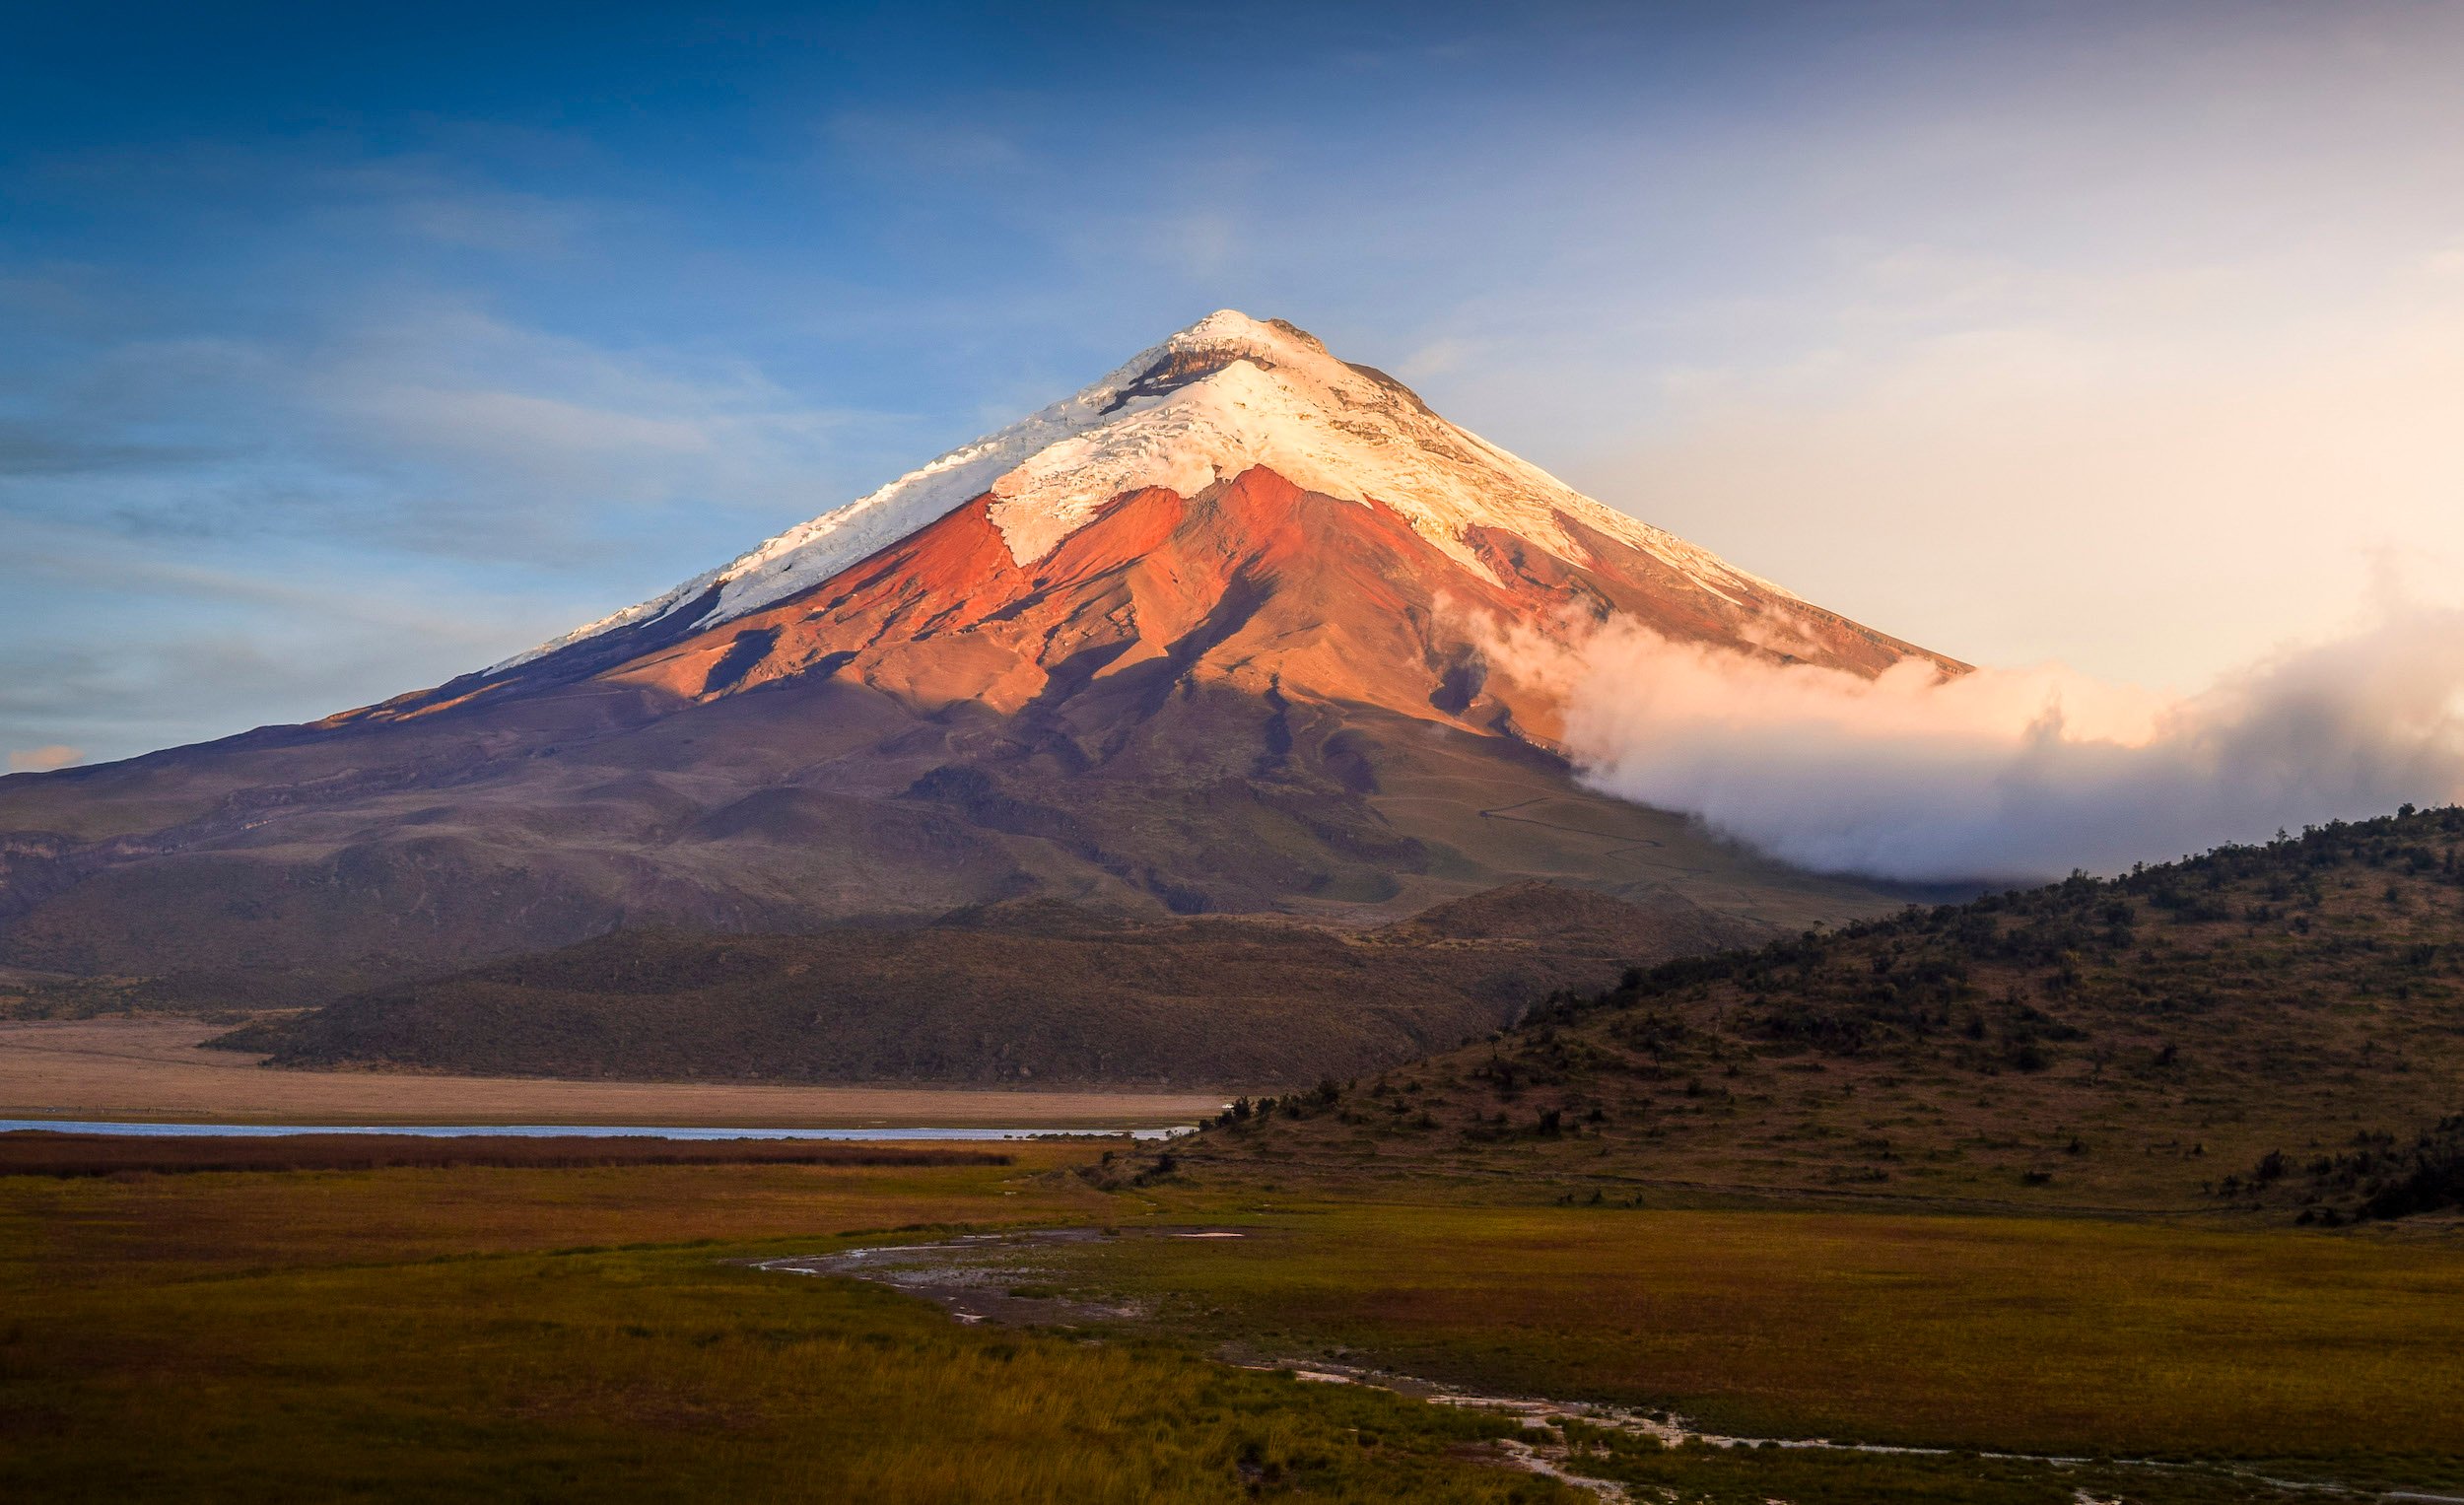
(1254, 585)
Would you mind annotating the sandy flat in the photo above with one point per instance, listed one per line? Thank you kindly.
(153, 1069)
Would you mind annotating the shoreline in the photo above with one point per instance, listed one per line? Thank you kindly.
(152, 1070)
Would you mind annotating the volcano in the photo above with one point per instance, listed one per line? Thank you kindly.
(1203, 638)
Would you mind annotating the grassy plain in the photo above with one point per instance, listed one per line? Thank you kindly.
(2330, 1354)
(500, 1333)
(463, 1334)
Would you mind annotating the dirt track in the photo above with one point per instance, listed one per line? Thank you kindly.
(152, 1069)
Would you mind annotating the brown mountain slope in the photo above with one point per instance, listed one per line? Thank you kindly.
(555, 818)
(2274, 1031)
(1023, 993)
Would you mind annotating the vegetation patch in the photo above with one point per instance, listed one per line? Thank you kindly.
(2258, 1031)
(1027, 993)
(2377, 1177)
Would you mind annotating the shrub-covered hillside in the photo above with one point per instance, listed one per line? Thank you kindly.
(2278, 1028)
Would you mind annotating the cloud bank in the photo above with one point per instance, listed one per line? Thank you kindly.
(2008, 775)
(43, 760)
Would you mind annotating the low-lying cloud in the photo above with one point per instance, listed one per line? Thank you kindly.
(2008, 775)
(43, 760)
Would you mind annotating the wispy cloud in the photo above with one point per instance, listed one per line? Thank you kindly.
(439, 428)
(935, 143)
(564, 423)
(117, 644)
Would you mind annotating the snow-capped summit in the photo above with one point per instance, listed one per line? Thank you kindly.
(1226, 394)
(1218, 633)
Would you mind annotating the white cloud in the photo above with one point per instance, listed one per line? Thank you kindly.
(570, 422)
(1434, 359)
(2009, 775)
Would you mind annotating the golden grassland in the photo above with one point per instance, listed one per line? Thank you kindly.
(661, 1376)
(50, 1152)
(149, 1067)
(431, 1334)
(485, 1332)
(2037, 1335)
(151, 1229)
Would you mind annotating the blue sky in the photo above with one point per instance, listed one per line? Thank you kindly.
(346, 348)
